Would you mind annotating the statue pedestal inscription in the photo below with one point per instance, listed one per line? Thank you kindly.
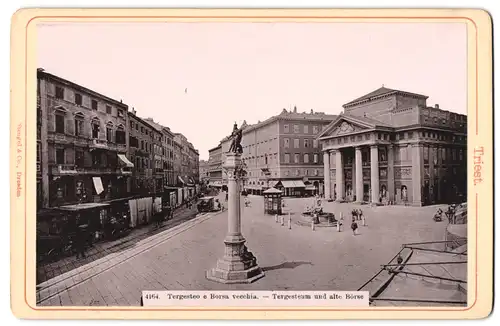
(238, 264)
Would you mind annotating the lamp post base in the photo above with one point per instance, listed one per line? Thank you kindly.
(237, 266)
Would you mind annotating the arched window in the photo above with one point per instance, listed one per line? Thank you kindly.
(120, 134)
(96, 127)
(109, 132)
(79, 117)
(60, 117)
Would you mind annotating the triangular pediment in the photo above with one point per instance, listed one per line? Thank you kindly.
(345, 125)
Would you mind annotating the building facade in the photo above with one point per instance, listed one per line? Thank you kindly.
(142, 155)
(82, 144)
(204, 172)
(283, 152)
(215, 166)
(391, 147)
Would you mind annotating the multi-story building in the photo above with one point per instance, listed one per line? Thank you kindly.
(283, 152)
(392, 147)
(164, 161)
(204, 174)
(194, 163)
(142, 155)
(215, 166)
(82, 144)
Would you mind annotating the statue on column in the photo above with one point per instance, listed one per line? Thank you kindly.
(236, 136)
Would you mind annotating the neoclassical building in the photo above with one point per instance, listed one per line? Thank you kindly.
(389, 146)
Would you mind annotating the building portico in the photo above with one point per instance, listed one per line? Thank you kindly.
(364, 164)
(390, 147)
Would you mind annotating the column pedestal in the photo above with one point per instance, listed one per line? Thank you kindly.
(238, 265)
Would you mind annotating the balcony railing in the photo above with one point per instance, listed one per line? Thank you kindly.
(72, 169)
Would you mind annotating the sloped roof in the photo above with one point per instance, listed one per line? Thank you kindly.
(381, 91)
(368, 120)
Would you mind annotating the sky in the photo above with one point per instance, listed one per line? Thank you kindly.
(200, 78)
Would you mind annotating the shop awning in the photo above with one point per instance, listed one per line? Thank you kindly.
(293, 184)
(185, 181)
(273, 183)
(125, 160)
(98, 185)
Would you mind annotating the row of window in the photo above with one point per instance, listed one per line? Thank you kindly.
(147, 132)
(305, 158)
(94, 104)
(305, 128)
(112, 135)
(296, 143)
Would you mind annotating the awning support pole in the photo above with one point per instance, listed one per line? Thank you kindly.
(430, 276)
(437, 263)
(435, 250)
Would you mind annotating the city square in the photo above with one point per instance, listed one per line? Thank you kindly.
(295, 258)
(177, 186)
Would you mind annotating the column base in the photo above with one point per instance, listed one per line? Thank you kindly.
(237, 266)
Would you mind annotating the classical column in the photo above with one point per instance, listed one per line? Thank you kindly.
(375, 182)
(432, 190)
(339, 175)
(238, 264)
(438, 176)
(390, 173)
(359, 174)
(417, 167)
(326, 165)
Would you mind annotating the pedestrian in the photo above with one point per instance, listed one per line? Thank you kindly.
(80, 239)
(354, 226)
(227, 196)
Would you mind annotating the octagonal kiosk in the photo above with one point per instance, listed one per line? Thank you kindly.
(272, 201)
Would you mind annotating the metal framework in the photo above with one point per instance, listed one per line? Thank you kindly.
(395, 268)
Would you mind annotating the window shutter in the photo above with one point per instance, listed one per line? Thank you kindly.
(69, 154)
(69, 125)
(87, 159)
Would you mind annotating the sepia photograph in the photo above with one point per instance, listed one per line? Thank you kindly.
(253, 164)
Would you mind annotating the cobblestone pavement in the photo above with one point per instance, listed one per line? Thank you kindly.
(47, 271)
(293, 259)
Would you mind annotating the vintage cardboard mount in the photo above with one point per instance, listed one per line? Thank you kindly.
(240, 263)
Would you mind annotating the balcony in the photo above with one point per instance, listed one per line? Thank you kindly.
(72, 169)
(105, 145)
(64, 169)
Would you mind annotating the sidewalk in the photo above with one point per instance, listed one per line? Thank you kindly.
(49, 270)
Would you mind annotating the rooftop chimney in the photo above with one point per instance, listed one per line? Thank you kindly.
(437, 106)
(295, 109)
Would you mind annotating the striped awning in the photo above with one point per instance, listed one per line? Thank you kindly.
(293, 183)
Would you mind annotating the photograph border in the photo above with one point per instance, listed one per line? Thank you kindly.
(22, 156)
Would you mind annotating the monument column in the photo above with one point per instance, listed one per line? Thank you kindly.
(375, 182)
(326, 174)
(359, 174)
(390, 173)
(339, 175)
(238, 264)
